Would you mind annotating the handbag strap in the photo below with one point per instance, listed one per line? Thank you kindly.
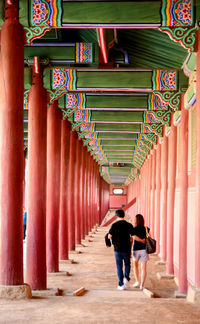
(147, 235)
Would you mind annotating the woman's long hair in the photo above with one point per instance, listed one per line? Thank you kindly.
(139, 220)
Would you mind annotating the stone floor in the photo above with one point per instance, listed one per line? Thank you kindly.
(102, 303)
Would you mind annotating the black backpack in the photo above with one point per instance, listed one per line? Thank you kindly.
(107, 240)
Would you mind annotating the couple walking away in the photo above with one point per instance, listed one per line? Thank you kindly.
(127, 241)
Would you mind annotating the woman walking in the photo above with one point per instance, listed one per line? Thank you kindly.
(139, 250)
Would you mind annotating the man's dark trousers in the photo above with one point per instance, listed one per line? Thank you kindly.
(119, 257)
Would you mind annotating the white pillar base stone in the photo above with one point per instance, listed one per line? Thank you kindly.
(193, 295)
(15, 292)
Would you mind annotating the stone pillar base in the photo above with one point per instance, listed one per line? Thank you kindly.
(15, 292)
(163, 275)
(193, 295)
(177, 294)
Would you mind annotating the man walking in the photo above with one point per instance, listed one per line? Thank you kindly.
(121, 234)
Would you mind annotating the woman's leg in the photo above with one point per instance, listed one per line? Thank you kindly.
(143, 272)
(136, 270)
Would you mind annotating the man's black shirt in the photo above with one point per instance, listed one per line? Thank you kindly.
(121, 232)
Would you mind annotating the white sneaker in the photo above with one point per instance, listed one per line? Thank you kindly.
(121, 287)
(141, 287)
(136, 284)
(126, 283)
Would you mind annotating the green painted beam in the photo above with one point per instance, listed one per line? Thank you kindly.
(109, 101)
(117, 135)
(118, 127)
(117, 116)
(117, 148)
(111, 12)
(27, 78)
(114, 79)
(52, 52)
(118, 142)
(119, 169)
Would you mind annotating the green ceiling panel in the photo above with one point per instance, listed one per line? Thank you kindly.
(119, 170)
(111, 12)
(118, 127)
(109, 101)
(151, 48)
(27, 78)
(117, 135)
(52, 52)
(23, 12)
(117, 148)
(118, 79)
(117, 116)
(118, 142)
(1, 13)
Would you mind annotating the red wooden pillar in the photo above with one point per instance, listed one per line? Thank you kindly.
(172, 155)
(86, 190)
(163, 210)
(89, 192)
(149, 189)
(70, 186)
(183, 199)
(197, 218)
(11, 147)
(100, 195)
(36, 214)
(54, 116)
(158, 189)
(78, 193)
(97, 194)
(82, 192)
(153, 186)
(64, 169)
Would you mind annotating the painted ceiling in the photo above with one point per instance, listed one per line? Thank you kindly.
(116, 73)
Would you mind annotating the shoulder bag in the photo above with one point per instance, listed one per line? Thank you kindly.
(150, 243)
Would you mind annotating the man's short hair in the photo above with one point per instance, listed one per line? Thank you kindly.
(120, 213)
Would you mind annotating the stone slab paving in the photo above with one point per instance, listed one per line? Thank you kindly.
(101, 303)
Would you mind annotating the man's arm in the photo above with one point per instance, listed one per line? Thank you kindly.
(135, 237)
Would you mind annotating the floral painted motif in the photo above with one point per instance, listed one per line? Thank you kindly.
(75, 100)
(164, 80)
(169, 79)
(177, 13)
(46, 13)
(183, 11)
(156, 103)
(64, 79)
(39, 12)
(82, 115)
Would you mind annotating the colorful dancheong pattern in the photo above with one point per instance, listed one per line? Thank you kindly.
(46, 13)
(150, 118)
(177, 13)
(82, 115)
(75, 100)
(87, 127)
(155, 103)
(164, 80)
(63, 79)
(84, 53)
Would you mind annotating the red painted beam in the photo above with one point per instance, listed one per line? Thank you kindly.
(131, 203)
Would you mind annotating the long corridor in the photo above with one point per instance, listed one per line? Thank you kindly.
(94, 269)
